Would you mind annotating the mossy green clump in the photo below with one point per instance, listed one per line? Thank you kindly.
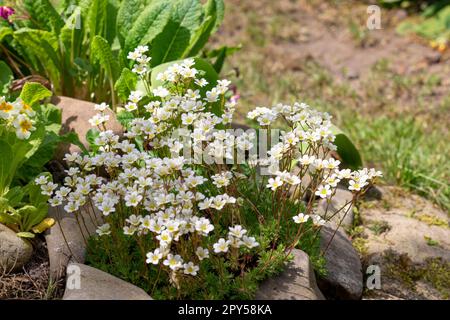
(432, 220)
(379, 226)
(435, 271)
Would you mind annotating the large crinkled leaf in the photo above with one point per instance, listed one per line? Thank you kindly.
(218, 7)
(175, 38)
(43, 46)
(97, 17)
(148, 25)
(101, 51)
(44, 15)
(112, 9)
(128, 12)
(33, 92)
(214, 10)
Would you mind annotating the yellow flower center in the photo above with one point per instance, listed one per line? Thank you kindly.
(6, 107)
(26, 107)
(25, 125)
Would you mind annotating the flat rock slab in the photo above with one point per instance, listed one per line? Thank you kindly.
(408, 237)
(87, 283)
(15, 252)
(297, 282)
(65, 240)
(344, 279)
(413, 226)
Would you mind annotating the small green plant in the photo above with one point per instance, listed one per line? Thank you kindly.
(430, 241)
(29, 133)
(379, 227)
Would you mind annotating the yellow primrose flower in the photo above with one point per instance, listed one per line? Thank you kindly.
(23, 126)
(6, 109)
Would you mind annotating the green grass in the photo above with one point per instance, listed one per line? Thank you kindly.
(407, 155)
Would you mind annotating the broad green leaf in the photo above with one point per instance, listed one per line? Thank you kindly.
(6, 76)
(346, 149)
(125, 117)
(101, 51)
(97, 16)
(125, 84)
(129, 11)
(46, 137)
(172, 42)
(214, 10)
(33, 92)
(34, 191)
(42, 46)
(34, 217)
(44, 153)
(218, 7)
(112, 9)
(148, 25)
(6, 163)
(14, 196)
(4, 204)
(9, 217)
(44, 15)
(27, 212)
(91, 135)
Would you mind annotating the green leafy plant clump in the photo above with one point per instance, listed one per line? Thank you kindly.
(29, 135)
(81, 45)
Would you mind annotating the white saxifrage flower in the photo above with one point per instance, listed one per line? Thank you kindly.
(221, 246)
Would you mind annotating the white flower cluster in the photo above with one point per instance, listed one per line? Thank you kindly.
(141, 60)
(159, 196)
(309, 143)
(142, 180)
(18, 116)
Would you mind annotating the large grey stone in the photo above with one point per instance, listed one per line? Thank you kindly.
(66, 239)
(333, 211)
(15, 252)
(344, 279)
(75, 118)
(87, 283)
(297, 282)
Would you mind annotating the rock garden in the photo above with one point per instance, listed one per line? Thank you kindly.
(146, 155)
